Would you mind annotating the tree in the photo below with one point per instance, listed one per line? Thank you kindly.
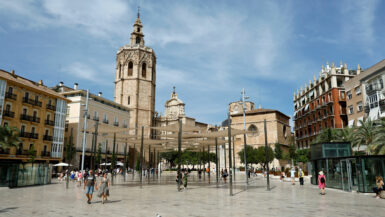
(302, 155)
(99, 154)
(32, 154)
(170, 157)
(9, 137)
(365, 135)
(327, 135)
(260, 155)
(250, 155)
(278, 151)
(378, 146)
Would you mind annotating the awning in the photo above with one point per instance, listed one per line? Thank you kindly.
(373, 114)
(359, 121)
(311, 93)
(306, 107)
(351, 123)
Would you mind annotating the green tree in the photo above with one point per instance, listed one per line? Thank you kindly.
(9, 137)
(170, 157)
(327, 135)
(378, 146)
(99, 154)
(260, 155)
(250, 155)
(31, 154)
(302, 155)
(365, 135)
(278, 151)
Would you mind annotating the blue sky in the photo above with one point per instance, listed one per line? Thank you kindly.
(209, 50)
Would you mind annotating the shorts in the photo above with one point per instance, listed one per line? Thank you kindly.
(89, 189)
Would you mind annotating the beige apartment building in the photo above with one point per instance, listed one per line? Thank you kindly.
(104, 117)
(355, 99)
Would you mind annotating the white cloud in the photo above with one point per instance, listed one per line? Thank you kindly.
(96, 73)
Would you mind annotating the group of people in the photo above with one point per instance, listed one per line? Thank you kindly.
(90, 184)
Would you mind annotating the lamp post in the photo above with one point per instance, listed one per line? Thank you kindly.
(244, 135)
(85, 129)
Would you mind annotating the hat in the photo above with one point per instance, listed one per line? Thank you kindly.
(321, 172)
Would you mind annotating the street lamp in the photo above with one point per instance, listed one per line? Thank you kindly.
(244, 135)
(84, 130)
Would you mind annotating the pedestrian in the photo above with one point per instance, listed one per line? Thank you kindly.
(225, 174)
(321, 182)
(379, 186)
(200, 174)
(248, 173)
(80, 178)
(301, 176)
(104, 188)
(89, 185)
(292, 175)
(282, 176)
(185, 180)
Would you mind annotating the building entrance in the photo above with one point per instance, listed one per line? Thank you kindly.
(349, 174)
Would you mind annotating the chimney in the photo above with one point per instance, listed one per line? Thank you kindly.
(40, 82)
(358, 69)
(100, 94)
(76, 86)
(13, 72)
(61, 84)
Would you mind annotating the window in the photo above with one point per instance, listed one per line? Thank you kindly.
(22, 130)
(138, 29)
(144, 67)
(48, 117)
(359, 106)
(46, 132)
(373, 101)
(342, 95)
(130, 68)
(128, 100)
(381, 83)
(25, 111)
(138, 40)
(30, 146)
(26, 95)
(350, 95)
(33, 130)
(105, 118)
(120, 70)
(8, 108)
(284, 131)
(49, 102)
(36, 98)
(10, 90)
(34, 114)
(96, 115)
(351, 111)
(358, 90)
(253, 129)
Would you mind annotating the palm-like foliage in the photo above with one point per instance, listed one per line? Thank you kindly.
(328, 135)
(9, 137)
(378, 146)
(365, 134)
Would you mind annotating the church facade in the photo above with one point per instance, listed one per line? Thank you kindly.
(135, 80)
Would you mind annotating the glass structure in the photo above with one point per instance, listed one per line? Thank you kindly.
(24, 174)
(344, 171)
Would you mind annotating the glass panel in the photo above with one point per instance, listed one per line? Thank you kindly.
(372, 167)
(334, 174)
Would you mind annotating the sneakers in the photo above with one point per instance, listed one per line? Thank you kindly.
(89, 202)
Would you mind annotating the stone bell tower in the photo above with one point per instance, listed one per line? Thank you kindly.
(135, 79)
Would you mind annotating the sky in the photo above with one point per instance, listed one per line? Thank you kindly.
(209, 50)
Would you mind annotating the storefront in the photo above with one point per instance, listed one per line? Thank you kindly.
(344, 171)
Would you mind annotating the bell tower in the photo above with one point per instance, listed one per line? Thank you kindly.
(135, 79)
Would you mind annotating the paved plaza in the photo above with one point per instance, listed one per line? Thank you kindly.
(200, 199)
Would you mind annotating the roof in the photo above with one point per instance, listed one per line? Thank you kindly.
(261, 111)
(29, 84)
(373, 69)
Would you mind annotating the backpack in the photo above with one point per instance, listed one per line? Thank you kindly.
(322, 180)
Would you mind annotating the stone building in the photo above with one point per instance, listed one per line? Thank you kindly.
(278, 131)
(39, 114)
(135, 80)
(321, 104)
(103, 115)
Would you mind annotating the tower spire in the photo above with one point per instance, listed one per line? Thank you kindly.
(138, 14)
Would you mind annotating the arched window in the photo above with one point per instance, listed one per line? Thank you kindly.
(144, 67)
(285, 131)
(130, 67)
(138, 29)
(8, 107)
(128, 100)
(34, 114)
(47, 132)
(381, 83)
(138, 40)
(48, 117)
(120, 70)
(253, 129)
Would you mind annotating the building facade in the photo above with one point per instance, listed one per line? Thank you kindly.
(278, 131)
(39, 114)
(135, 80)
(321, 104)
(104, 117)
(374, 91)
(355, 99)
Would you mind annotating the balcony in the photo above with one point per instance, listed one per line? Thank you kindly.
(47, 138)
(8, 113)
(25, 117)
(116, 124)
(105, 121)
(45, 154)
(35, 119)
(49, 123)
(32, 102)
(10, 95)
(124, 125)
(51, 107)
(29, 135)
(373, 88)
(95, 118)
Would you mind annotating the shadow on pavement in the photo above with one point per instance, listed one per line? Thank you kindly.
(7, 209)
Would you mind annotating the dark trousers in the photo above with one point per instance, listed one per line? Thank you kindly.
(301, 181)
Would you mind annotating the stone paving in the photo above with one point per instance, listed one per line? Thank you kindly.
(200, 199)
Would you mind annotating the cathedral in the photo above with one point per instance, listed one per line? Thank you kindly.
(135, 82)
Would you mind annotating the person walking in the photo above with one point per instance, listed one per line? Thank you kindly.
(321, 182)
(104, 188)
(89, 185)
(225, 174)
(292, 176)
(185, 180)
(301, 176)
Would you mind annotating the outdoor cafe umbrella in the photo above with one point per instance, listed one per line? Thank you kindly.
(61, 165)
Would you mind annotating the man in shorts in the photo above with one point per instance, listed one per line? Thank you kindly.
(90, 185)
